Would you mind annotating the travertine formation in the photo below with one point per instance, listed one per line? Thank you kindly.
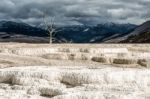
(29, 71)
(42, 82)
(28, 54)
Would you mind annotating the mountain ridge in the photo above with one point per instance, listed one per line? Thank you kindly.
(77, 34)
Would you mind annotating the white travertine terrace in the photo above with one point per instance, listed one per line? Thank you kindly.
(108, 55)
(74, 83)
(107, 71)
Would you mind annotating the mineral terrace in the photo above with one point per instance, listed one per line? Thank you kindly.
(71, 71)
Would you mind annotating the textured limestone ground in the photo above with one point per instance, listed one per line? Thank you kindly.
(107, 71)
(74, 83)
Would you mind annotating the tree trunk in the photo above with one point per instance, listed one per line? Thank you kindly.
(50, 41)
(51, 38)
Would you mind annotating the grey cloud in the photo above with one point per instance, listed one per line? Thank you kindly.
(76, 11)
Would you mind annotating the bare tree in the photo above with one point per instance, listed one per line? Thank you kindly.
(50, 27)
(52, 30)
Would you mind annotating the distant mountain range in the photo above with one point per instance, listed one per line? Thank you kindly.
(101, 33)
(21, 32)
(94, 34)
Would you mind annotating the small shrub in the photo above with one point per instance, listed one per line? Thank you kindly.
(143, 62)
(124, 61)
(100, 59)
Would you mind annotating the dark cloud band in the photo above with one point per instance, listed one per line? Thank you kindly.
(72, 12)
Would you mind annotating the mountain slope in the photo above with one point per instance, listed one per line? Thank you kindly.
(21, 28)
(140, 38)
(141, 29)
(140, 35)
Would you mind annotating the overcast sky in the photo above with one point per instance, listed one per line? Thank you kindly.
(72, 12)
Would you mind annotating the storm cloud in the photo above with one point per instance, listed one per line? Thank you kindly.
(73, 12)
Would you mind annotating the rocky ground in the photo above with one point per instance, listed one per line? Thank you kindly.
(69, 71)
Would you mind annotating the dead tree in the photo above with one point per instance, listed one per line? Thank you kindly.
(50, 27)
(52, 30)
